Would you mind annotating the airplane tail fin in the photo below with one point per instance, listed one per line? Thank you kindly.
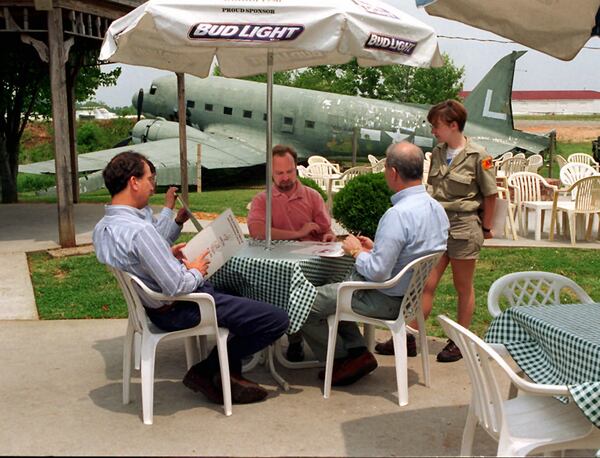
(489, 103)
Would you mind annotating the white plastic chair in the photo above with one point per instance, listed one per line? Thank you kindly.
(410, 308)
(528, 196)
(511, 165)
(520, 155)
(301, 170)
(574, 171)
(372, 159)
(533, 288)
(379, 166)
(322, 173)
(139, 324)
(533, 422)
(323, 160)
(586, 203)
(335, 185)
(534, 163)
(561, 161)
(584, 159)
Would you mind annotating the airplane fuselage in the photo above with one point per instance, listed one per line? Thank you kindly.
(313, 121)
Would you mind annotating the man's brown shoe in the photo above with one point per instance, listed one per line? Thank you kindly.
(450, 353)
(197, 380)
(350, 370)
(387, 348)
(244, 391)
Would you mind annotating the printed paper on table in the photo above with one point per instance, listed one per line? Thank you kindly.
(223, 238)
(328, 249)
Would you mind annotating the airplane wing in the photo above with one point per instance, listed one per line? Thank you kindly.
(255, 138)
(218, 152)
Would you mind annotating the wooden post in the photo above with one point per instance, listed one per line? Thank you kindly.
(72, 138)
(551, 151)
(181, 114)
(355, 136)
(64, 194)
(199, 168)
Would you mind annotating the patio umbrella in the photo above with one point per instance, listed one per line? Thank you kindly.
(559, 28)
(249, 37)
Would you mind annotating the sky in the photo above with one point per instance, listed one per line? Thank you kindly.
(534, 71)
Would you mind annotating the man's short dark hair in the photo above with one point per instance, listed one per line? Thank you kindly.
(448, 111)
(406, 159)
(282, 150)
(121, 168)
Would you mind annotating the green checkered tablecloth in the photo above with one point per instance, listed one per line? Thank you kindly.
(280, 277)
(556, 344)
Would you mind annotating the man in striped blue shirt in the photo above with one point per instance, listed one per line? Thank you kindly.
(128, 239)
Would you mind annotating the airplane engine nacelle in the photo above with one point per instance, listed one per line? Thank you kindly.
(154, 129)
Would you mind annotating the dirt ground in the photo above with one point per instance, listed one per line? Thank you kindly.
(566, 131)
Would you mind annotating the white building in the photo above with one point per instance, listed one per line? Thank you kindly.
(554, 102)
(95, 113)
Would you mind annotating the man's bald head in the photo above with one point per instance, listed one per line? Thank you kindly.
(407, 159)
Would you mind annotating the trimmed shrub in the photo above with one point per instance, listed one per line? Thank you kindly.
(361, 203)
(313, 184)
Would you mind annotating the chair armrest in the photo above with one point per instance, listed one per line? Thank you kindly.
(205, 301)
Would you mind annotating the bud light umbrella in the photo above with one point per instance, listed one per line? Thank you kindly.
(559, 28)
(254, 37)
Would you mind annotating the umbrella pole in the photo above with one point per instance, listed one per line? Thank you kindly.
(269, 161)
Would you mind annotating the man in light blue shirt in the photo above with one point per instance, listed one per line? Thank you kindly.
(130, 239)
(416, 225)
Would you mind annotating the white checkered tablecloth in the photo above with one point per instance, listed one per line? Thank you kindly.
(280, 277)
(556, 344)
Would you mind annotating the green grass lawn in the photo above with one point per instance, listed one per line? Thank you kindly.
(78, 287)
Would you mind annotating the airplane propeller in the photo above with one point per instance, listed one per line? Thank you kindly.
(139, 105)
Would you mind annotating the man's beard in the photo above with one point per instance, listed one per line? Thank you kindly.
(285, 187)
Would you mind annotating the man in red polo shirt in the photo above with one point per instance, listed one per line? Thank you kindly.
(298, 213)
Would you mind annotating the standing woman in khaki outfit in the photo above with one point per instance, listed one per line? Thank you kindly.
(463, 181)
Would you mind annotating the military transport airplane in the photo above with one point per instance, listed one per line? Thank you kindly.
(227, 117)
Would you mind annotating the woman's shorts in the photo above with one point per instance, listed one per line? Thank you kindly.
(465, 237)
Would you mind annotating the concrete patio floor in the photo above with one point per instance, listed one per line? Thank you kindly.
(61, 395)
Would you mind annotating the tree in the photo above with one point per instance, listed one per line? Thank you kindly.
(25, 93)
(396, 83)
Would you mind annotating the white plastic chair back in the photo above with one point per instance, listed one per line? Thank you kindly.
(561, 161)
(512, 165)
(410, 309)
(575, 171)
(372, 159)
(320, 173)
(301, 170)
(323, 160)
(349, 175)
(584, 159)
(138, 323)
(428, 156)
(506, 155)
(533, 288)
(520, 155)
(534, 163)
(426, 166)
(379, 166)
(533, 422)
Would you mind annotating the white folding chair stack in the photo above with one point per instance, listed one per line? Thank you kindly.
(138, 324)
(410, 309)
